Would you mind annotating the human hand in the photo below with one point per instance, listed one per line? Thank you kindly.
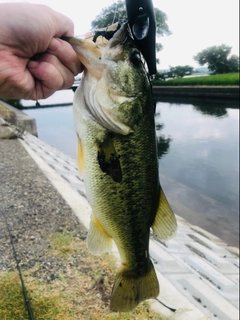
(34, 61)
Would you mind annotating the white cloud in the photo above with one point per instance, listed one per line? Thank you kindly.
(196, 25)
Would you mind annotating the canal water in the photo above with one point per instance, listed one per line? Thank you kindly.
(198, 149)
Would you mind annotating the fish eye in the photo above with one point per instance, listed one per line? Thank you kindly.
(135, 58)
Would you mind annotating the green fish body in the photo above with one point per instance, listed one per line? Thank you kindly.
(117, 155)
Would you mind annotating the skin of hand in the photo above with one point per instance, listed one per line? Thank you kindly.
(34, 61)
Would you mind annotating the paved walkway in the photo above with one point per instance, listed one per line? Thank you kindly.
(198, 273)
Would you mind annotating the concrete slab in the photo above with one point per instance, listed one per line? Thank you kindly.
(221, 264)
(204, 297)
(219, 282)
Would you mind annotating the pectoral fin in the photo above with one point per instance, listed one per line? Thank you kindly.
(80, 158)
(165, 224)
(98, 241)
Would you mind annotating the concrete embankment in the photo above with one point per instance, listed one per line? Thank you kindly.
(203, 92)
(17, 118)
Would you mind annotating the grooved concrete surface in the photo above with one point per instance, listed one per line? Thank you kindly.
(198, 273)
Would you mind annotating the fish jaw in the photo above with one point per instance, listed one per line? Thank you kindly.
(95, 56)
(89, 54)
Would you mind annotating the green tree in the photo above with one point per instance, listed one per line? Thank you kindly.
(161, 75)
(117, 12)
(110, 15)
(218, 59)
(180, 71)
(174, 72)
(233, 63)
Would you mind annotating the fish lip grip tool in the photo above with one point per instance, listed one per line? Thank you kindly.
(142, 22)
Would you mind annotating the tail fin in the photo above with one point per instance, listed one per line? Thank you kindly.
(129, 289)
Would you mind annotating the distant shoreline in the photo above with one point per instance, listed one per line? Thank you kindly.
(202, 92)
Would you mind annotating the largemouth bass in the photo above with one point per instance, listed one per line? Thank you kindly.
(117, 155)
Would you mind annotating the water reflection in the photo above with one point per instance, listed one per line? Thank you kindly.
(163, 145)
(202, 164)
(211, 108)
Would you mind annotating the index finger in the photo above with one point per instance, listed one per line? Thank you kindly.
(65, 53)
(64, 26)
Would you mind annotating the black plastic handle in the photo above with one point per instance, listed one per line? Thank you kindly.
(141, 19)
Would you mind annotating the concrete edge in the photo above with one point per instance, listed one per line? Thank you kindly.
(76, 202)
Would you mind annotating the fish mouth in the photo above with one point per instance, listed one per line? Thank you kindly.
(97, 50)
(111, 94)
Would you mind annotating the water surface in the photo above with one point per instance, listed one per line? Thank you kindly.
(198, 156)
(203, 149)
(200, 164)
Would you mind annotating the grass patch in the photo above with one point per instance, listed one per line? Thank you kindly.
(6, 114)
(62, 244)
(227, 79)
(81, 291)
(11, 297)
(12, 305)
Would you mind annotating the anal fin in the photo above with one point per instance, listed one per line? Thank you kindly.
(165, 223)
(98, 241)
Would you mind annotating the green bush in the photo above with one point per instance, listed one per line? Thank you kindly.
(13, 102)
(227, 79)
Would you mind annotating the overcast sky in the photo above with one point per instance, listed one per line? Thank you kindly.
(195, 24)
